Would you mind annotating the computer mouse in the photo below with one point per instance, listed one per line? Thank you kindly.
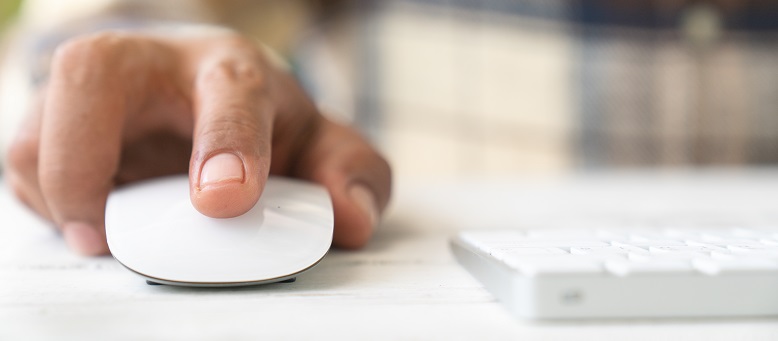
(154, 231)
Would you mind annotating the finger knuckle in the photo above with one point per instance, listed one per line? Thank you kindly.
(237, 60)
(23, 155)
(234, 70)
(86, 58)
(385, 169)
(380, 171)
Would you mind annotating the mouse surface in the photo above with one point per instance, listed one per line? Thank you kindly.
(153, 230)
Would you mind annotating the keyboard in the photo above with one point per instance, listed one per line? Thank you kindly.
(626, 273)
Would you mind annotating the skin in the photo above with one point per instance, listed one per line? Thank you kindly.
(122, 107)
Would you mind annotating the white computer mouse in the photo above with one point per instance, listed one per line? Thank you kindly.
(153, 230)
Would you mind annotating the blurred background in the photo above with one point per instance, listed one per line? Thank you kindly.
(497, 87)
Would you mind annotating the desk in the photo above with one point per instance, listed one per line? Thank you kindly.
(405, 285)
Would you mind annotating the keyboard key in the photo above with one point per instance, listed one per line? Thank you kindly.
(612, 234)
(723, 243)
(648, 243)
(630, 268)
(560, 233)
(502, 253)
(685, 249)
(639, 257)
(682, 234)
(722, 256)
(553, 243)
(771, 254)
(723, 240)
(769, 241)
(722, 237)
(752, 233)
(606, 250)
(649, 238)
(747, 248)
(680, 255)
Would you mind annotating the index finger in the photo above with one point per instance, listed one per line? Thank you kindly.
(81, 135)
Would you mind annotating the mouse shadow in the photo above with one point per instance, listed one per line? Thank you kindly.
(338, 269)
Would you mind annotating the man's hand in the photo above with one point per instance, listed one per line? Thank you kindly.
(122, 107)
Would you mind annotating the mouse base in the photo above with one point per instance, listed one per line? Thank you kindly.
(289, 280)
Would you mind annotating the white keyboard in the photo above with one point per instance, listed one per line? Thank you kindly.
(616, 273)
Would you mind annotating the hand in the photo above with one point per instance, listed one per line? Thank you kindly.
(121, 107)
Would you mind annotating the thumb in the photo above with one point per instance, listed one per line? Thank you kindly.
(357, 177)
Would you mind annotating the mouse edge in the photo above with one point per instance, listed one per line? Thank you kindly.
(290, 277)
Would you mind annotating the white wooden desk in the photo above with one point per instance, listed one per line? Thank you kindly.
(405, 285)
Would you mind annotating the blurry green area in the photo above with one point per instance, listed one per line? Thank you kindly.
(8, 9)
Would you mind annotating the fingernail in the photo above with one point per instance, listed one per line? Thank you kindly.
(366, 201)
(225, 167)
(84, 239)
